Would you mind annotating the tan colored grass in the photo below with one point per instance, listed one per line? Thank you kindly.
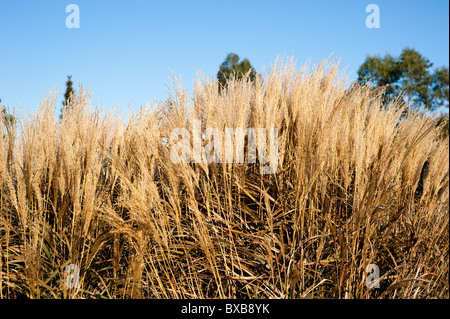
(103, 194)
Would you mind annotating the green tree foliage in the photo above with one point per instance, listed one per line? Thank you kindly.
(383, 71)
(67, 95)
(8, 117)
(409, 74)
(416, 78)
(440, 86)
(231, 66)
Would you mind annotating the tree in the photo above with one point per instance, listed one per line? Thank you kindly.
(385, 72)
(231, 66)
(416, 78)
(440, 86)
(67, 95)
(409, 74)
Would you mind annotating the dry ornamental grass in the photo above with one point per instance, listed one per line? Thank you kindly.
(357, 183)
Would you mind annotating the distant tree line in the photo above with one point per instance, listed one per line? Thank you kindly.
(409, 74)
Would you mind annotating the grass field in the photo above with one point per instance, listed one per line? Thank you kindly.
(357, 184)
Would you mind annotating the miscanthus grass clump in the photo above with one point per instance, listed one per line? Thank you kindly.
(359, 182)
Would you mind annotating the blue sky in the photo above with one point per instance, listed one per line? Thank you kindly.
(126, 52)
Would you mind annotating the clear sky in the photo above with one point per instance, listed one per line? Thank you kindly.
(127, 51)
